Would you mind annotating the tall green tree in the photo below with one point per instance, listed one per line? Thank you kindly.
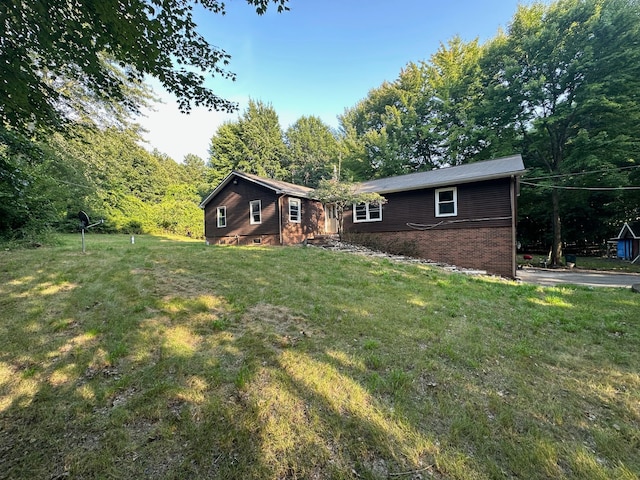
(194, 171)
(253, 144)
(384, 131)
(449, 119)
(98, 47)
(312, 149)
(425, 119)
(39, 185)
(566, 71)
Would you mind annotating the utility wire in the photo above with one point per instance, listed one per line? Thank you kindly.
(560, 175)
(591, 189)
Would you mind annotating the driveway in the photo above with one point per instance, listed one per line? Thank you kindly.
(589, 278)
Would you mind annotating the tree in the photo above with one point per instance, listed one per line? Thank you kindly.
(343, 194)
(425, 119)
(566, 73)
(453, 75)
(178, 211)
(195, 172)
(312, 151)
(39, 184)
(99, 48)
(384, 132)
(254, 144)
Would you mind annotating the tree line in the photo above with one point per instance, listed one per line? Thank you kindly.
(559, 85)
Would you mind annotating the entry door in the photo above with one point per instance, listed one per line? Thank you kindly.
(330, 218)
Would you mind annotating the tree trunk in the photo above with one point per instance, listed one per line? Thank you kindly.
(556, 249)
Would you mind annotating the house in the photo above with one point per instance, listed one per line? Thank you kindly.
(246, 209)
(463, 215)
(629, 241)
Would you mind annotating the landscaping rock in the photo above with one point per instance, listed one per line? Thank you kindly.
(635, 287)
(333, 244)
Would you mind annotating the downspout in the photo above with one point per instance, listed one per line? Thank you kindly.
(280, 218)
(514, 215)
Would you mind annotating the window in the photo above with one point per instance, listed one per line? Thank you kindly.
(222, 217)
(255, 209)
(367, 212)
(446, 202)
(294, 210)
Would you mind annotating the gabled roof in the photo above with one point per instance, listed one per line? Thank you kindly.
(634, 227)
(278, 186)
(470, 172)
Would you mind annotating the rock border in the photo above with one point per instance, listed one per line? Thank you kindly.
(339, 246)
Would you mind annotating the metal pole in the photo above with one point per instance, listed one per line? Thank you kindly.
(83, 240)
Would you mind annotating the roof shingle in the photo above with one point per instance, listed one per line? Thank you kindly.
(470, 172)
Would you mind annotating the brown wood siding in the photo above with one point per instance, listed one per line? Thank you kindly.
(475, 201)
(236, 198)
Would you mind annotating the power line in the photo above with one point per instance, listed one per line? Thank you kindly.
(591, 189)
(560, 175)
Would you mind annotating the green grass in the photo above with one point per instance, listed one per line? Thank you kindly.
(169, 359)
(590, 263)
(610, 264)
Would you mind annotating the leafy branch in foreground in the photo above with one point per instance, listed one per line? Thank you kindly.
(343, 194)
(45, 43)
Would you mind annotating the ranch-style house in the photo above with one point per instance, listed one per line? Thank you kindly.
(463, 215)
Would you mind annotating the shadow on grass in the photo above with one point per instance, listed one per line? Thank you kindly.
(150, 364)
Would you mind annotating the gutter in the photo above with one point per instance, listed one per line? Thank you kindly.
(366, 189)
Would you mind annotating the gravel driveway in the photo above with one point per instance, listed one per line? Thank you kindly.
(589, 278)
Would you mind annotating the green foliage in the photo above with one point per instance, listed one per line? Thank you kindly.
(105, 173)
(343, 194)
(194, 171)
(312, 149)
(253, 144)
(561, 70)
(178, 211)
(559, 86)
(53, 51)
(453, 75)
(384, 133)
(39, 185)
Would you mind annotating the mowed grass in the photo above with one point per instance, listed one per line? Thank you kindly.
(615, 265)
(167, 359)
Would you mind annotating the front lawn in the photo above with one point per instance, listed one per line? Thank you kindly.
(615, 265)
(167, 359)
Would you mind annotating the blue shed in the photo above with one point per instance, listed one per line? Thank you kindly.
(629, 241)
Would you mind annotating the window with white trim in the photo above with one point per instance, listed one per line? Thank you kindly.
(255, 211)
(294, 210)
(221, 216)
(367, 212)
(447, 202)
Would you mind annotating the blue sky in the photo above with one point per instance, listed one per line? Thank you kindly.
(319, 58)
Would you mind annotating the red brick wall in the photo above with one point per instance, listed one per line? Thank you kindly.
(481, 248)
(245, 240)
(312, 221)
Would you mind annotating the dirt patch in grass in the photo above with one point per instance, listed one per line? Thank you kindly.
(280, 325)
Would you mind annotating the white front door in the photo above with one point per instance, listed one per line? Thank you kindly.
(330, 218)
